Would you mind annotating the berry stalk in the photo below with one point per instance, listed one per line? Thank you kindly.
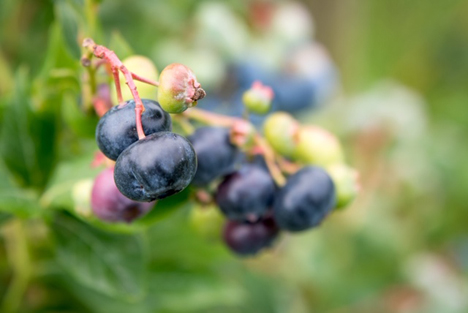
(116, 65)
(227, 121)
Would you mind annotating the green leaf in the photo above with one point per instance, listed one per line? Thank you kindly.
(165, 207)
(69, 20)
(111, 264)
(28, 136)
(57, 56)
(81, 123)
(120, 46)
(13, 200)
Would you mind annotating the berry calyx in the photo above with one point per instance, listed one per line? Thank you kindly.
(178, 88)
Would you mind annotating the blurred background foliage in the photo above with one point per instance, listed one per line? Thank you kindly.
(395, 93)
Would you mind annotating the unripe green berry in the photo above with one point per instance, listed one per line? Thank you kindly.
(346, 183)
(144, 67)
(280, 130)
(178, 88)
(81, 194)
(258, 98)
(317, 146)
(207, 221)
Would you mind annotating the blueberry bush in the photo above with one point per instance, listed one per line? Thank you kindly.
(210, 156)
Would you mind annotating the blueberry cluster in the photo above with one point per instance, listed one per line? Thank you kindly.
(255, 206)
(287, 178)
(157, 166)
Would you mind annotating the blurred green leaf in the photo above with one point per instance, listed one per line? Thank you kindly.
(28, 146)
(57, 55)
(80, 122)
(14, 200)
(120, 46)
(69, 20)
(96, 260)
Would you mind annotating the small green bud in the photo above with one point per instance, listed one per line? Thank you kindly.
(258, 98)
(178, 88)
(280, 130)
(317, 146)
(346, 183)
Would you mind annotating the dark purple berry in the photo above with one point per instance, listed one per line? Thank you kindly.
(216, 155)
(305, 200)
(155, 167)
(110, 205)
(245, 238)
(116, 130)
(248, 192)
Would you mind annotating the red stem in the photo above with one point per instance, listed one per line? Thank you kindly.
(226, 121)
(145, 80)
(115, 72)
(115, 63)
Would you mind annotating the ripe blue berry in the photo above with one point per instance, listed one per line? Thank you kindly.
(216, 155)
(245, 238)
(109, 204)
(248, 192)
(305, 200)
(155, 167)
(116, 130)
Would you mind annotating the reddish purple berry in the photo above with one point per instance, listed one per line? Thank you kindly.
(246, 238)
(110, 205)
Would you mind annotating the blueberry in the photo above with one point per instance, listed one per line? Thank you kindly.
(116, 130)
(109, 204)
(248, 192)
(216, 155)
(246, 238)
(305, 200)
(155, 167)
(293, 93)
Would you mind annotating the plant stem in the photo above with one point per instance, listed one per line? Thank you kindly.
(18, 256)
(269, 156)
(184, 123)
(144, 80)
(227, 121)
(210, 118)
